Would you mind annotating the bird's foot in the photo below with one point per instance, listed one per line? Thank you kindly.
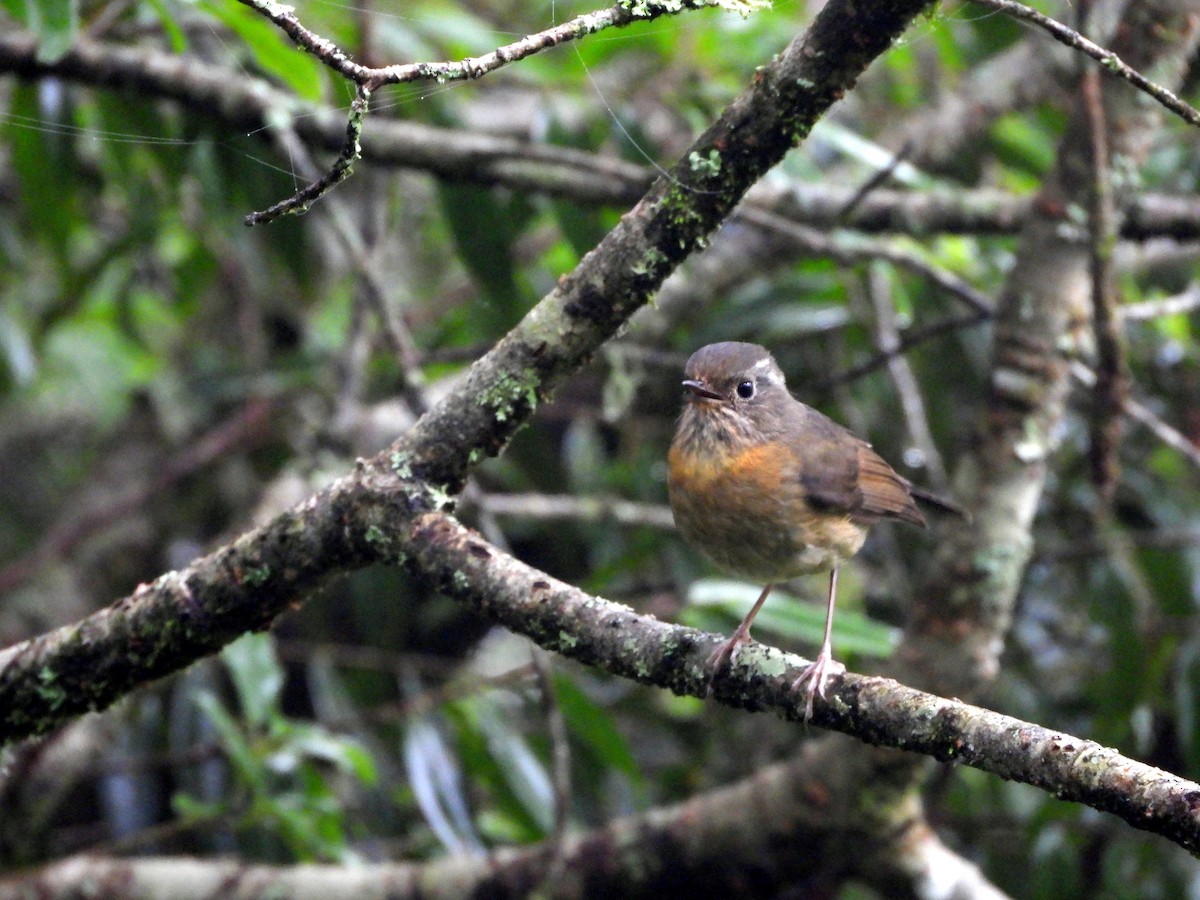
(726, 652)
(817, 675)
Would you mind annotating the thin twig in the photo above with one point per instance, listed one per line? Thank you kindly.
(887, 339)
(848, 248)
(323, 49)
(371, 288)
(1112, 378)
(1051, 550)
(472, 67)
(1168, 434)
(913, 337)
(1107, 58)
(876, 180)
(367, 79)
(579, 509)
(1185, 302)
(303, 199)
(394, 329)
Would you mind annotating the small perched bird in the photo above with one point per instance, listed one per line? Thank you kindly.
(769, 489)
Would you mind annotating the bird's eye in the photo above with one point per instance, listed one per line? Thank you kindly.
(745, 390)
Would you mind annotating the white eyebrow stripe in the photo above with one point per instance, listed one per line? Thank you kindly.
(769, 371)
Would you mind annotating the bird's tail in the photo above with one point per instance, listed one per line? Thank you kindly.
(940, 503)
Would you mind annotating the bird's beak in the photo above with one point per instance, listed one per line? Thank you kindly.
(700, 390)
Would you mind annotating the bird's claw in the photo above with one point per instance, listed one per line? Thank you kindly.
(726, 652)
(817, 675)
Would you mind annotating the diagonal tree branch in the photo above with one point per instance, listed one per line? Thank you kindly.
(673, 219)
(877, 711)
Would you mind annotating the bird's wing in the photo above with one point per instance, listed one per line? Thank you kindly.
(841, 473)
(883, 491)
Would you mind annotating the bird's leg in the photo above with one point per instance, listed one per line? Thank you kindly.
(741, 635)
(824, 666)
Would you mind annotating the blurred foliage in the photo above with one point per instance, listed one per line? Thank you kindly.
(281, 787)
(138, 316)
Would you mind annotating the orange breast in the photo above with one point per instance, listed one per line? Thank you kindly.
(746, 510)
(753, 469)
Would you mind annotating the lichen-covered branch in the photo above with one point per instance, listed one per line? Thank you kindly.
(875, 710)
(351, 150)
(578, 509)
(618, 16)
(363, 519)
(182, 616)
(849, 249)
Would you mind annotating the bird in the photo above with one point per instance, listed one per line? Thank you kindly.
(769, 489)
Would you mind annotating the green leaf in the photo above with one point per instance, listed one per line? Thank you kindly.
(786, 616)
(257, 676)
(744, 8)
(582, 226)
(343, 752)
(901, 64)
(18, 9)
(18, 361)
(175, 34)
(522, 770)
(593, 725)
(87, 363)
(55, 22)
(1169, 578)
(509, 819)
(436, 783)
(233, 741)
(486, 224)
(49, 207)
(272, 51)
(1126, 676)
(872, 155)
(456, 31)
(191, 809)
(1022, 143)
(1176, 327)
